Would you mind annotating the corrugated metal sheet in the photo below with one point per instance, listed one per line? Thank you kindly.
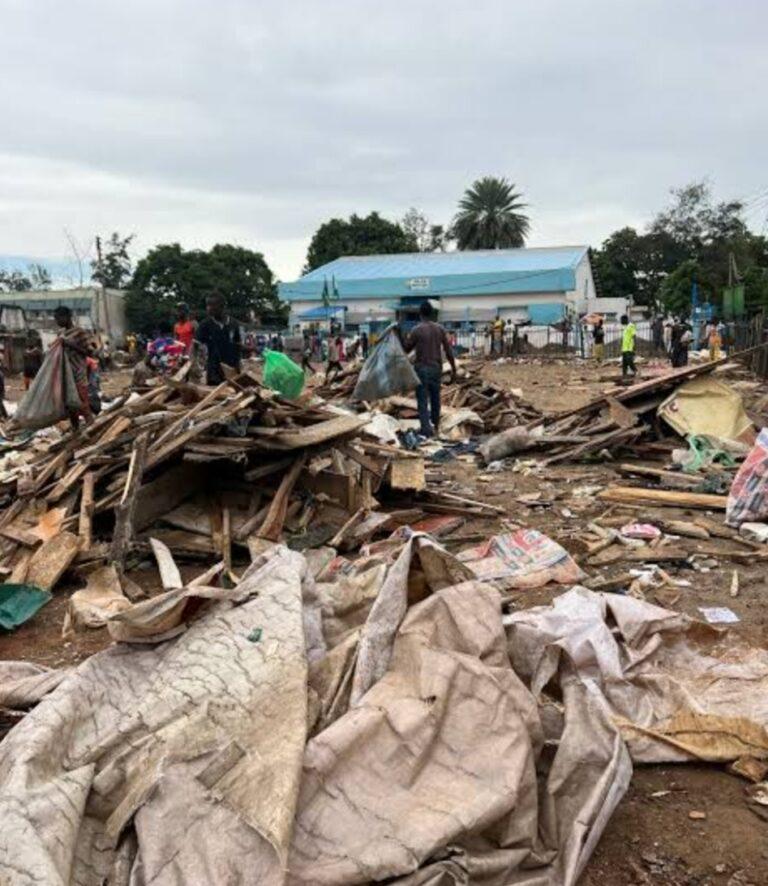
(437, 264)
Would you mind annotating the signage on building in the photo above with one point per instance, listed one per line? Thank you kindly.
(418, 283)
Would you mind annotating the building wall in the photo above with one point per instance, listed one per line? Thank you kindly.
(547, 307)
(585, 292)
(102, 311)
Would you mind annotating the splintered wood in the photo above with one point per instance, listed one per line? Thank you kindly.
(184, 471)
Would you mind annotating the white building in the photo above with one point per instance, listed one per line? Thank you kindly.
(540, 285)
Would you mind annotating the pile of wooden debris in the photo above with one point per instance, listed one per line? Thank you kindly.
(472, 403)
(205, 471)
(625, 418)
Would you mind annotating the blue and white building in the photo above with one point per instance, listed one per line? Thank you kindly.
(539, 285)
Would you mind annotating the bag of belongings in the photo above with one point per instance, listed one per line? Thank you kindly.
(386, 372)
(281, 374)
(53, 395)
(748, 498)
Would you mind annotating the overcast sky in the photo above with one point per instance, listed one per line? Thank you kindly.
(253, 122)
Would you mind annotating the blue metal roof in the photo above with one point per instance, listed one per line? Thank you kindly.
(481, 272)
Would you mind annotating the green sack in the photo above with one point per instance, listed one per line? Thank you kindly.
(18, 603)
(283, 375)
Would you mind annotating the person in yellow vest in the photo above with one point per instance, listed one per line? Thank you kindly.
(715, 341)
(629, 332)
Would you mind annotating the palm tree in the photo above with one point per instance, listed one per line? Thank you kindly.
(489, 216)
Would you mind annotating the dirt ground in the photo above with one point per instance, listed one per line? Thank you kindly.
(650, 839)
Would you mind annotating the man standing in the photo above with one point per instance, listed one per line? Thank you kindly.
(364, 344)
(598, 335)
(429, 340)
(184, 329)
(33, 360)
(221, 336)
(75, 343)
(306, 355)
(657, 331)
(334, 358)
(628, 347)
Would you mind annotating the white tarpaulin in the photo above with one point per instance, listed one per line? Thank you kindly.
(231, 752)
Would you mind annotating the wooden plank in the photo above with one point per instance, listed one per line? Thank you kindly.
(181, 542)
(674, 479)
(647, 554)
(219, 415)
(19, 534)
(164, 493)
(664, 497)
(612, 438)
(52, 560)
(72, 476)
(226, 539)
(273, 522)
(365, 461)
(407, 473)
(85, 528)
(124, 527)
(322, 432)
(169, 571)
(188, 415)
(264, 470)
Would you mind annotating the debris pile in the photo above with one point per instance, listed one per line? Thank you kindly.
(627, 418)
(333, 683)
(203, 471)
(471, 405)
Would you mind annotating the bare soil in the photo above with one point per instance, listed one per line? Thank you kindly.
(650, 839)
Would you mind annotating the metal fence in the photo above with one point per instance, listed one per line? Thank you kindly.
(578, 341)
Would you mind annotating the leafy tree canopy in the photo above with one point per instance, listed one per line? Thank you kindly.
(169, 275)
(114, 269)
(372, 235)
(693, 234)
(490, 216)
(37, 277)
(675, 291)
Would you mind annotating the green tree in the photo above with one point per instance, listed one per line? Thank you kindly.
(114, 269)
(633, 265)
(676, 290)
(14, 281)
(169, 275)
(706, 232)
(756, 288)
(489, 216)
(371, 235)
(426, 236)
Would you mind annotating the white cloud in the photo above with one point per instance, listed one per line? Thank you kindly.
(253, 123)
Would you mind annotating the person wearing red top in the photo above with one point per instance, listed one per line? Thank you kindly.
(184, 329)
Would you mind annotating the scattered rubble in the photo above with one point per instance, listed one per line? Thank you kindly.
(341, 620)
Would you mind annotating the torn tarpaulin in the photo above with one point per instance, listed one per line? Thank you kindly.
(187, 761)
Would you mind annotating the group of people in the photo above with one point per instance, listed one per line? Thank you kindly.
(216, 340)
(680, 340)
(333, 351)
